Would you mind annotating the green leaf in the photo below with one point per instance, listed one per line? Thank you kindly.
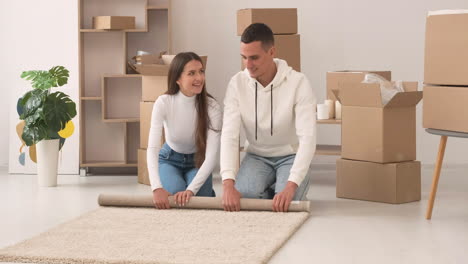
(33, 119)
(32, 101)
(56, 76)
(33, 134)
(60, 74)
(58, 110)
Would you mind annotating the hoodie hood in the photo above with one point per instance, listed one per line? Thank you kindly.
(282, 71)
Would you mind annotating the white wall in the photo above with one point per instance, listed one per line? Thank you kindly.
(36, 35)
(335, 35)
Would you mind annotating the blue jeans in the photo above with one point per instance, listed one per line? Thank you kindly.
(177, 170)
(263, 177)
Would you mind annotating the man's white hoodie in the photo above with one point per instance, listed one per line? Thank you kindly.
(278, 120)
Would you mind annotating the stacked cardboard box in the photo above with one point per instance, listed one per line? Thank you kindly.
(446, 71)
(153, 85)
(378, 141)
(283, 23)
(152, 88)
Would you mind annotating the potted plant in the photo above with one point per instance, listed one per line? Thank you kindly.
(47, 119)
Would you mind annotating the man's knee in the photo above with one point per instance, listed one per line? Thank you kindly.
(256, 193)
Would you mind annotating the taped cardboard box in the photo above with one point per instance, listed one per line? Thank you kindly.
(143, 176)
(288, 48)
(446, 49)
(153, 87)
(114, 22)
(371, 131)
(445, 108)
(146, 110)
(336, 79)
(394, 183)
(280, 20)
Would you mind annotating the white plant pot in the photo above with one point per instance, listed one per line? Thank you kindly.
(47, 162)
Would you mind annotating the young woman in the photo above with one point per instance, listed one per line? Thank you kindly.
(192, 122)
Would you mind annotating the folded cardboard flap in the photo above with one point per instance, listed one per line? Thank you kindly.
(369, 95)
(406, 99)
(360, 94)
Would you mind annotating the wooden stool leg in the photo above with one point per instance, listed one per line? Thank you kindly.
(435, 179)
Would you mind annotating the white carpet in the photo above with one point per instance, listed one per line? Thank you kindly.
(146, 235)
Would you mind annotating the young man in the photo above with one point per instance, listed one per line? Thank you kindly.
(275, 106)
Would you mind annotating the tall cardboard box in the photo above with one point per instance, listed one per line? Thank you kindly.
(146, 108)
(143, 176)
(446, 108)
(153, 87)
(371, 131)
(288, 48)
(446, 49)
(336, 79)
(280, 20)
(394, 183)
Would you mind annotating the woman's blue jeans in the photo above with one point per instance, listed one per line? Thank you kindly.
(177, 170)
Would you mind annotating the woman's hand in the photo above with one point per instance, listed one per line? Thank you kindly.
(160, 198)
(182, 198)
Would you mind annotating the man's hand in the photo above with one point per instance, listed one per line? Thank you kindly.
(160, 198)
(231, 196)
(181, 198)
(282, 199)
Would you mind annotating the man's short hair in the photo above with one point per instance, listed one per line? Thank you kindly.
(259, 32)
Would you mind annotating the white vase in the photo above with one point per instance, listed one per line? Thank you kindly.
(47, 162)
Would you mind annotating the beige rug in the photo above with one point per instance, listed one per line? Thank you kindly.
(146, 235)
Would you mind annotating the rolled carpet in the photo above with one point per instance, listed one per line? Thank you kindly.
(197, 203)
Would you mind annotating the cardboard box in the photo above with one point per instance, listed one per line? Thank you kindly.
(445, 108)
(153, 65)
(371, 131)
(446, 50)
(114, 22)
(280, 20)
(153, 87)
(394, 183)
(288, 48)
(146, 108)
(336, 79)
(143, 176)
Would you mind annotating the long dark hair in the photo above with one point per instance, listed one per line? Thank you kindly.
(201, 102)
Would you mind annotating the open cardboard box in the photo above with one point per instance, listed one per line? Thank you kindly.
(335, 79)
(154, 65)
(374, 132)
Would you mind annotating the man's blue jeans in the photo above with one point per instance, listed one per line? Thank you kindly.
(263, 177)
(177, 170)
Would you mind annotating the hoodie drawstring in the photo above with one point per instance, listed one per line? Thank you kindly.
(271, 110)
(256, 111)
